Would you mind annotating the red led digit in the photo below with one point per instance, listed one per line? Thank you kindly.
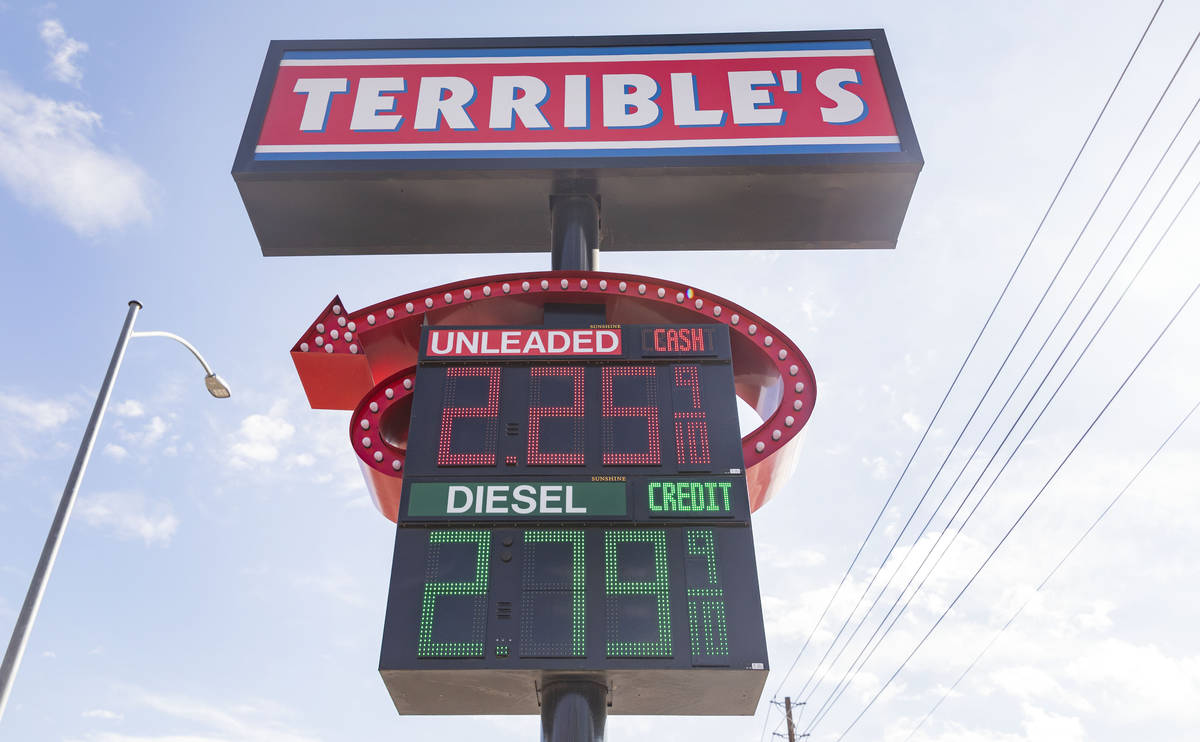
(649, 412)
(688, 377)
(691, 426)
(488, 412)
(537, 412)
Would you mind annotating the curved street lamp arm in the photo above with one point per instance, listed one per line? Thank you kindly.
(158, 333)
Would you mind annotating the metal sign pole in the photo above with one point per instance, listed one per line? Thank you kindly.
(574, 709)
(575, 232)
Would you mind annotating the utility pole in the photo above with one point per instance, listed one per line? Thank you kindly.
(791, 725)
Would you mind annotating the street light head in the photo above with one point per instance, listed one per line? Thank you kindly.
(216, 386)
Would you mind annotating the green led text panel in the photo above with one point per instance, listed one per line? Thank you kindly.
(583, 597)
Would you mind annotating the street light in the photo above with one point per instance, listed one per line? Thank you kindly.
(215, 384)
(37, 586)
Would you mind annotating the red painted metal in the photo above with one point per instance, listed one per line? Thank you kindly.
(372, 369)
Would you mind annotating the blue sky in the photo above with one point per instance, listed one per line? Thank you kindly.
(224, 575)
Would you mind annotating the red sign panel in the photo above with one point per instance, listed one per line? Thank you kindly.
(499, 343)
(766, 98)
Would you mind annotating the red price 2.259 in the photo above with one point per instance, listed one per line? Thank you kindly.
(557, 422)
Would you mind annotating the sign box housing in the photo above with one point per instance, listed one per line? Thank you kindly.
(711, 141)
(579, 514)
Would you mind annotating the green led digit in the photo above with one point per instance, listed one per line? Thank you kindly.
(706, 598)
(545, 592)
(435, 612)
(637, 608)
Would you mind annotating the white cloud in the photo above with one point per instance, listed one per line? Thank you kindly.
(1140, 682)
(911, 420)
(39, 414)
(878, 466)
(1032, 683)
(259, 437)
(814, 313)
(197, 721)
(150, 434)
(116, 452)
(154, 430)
(103, 714)
(1043, 726)
(1038, 726)
(304, 459)
(130, 516)
(1098, 617)
(49, 160)
(129, 408)
(62, 49)
(793, 557)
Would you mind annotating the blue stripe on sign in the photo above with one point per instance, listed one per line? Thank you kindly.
(798, 149)
(572, 51)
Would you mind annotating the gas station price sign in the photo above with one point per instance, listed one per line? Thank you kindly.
(574, 501)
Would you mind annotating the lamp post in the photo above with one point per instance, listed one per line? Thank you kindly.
(37, 586)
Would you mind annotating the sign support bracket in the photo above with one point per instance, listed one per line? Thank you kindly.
(574, 710)
(575, 232)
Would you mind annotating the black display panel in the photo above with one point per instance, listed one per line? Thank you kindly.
(591, 597)
(574, 501)
(659, 403)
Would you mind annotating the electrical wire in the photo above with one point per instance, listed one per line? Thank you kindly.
(838, 692)
(971, 351)
(1053, 571)
(970, 458)
(1003, 365)
(1024, 512)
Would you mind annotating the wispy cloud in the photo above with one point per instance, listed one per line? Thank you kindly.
(200, 721)
(103, 714)
(151, 433)
(48, 160)
(39, 414)
(130, 516)
(113, 451)
(877, 465)
(129, 408)
(793, 557)
(30, 428)
(62, 49)
(259, 437)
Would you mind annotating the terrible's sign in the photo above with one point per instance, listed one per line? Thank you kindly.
(697, 99)
(765, 140)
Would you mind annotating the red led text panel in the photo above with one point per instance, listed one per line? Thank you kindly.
(671, 417)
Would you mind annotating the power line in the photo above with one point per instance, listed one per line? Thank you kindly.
(837, 693)
(999, 371)
(970, 458)
(971, 351)
(1053, 571)
(1024, 512)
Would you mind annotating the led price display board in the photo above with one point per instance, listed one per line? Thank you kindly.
(574, 502)
(520, 402)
